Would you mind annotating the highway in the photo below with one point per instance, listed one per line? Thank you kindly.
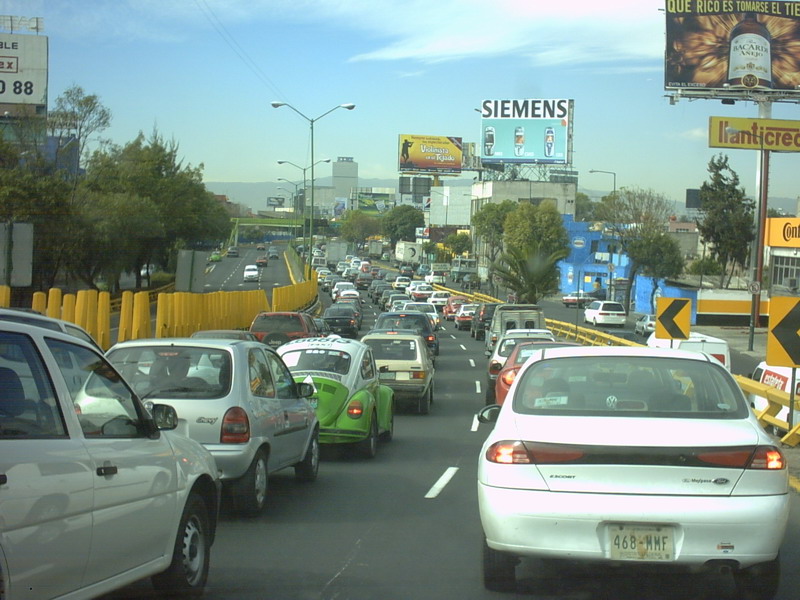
(405, 525)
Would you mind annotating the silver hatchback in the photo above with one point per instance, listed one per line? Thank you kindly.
(235, 397)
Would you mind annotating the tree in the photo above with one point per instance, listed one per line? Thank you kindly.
(528, 272)
(77, 115)
(357, 226)
(584, 207)
(401, 223)
(489, 223)
(658, 256)
(633, 214)
(727, 217)
(458, 243)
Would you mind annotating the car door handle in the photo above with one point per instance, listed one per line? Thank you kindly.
(3, 479)
(106, 470)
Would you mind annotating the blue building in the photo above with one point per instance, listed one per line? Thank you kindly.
(594, 262)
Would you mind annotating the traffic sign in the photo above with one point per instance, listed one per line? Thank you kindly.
(673, 318)
(783, 341)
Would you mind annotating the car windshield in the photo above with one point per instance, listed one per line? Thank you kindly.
(409, 321)
(174, 371)
(628, 387)
(277, 324)
(318, 359)
(392, 349)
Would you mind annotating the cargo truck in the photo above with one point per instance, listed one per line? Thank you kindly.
(335, 251)
(407, 252)
(374, 248)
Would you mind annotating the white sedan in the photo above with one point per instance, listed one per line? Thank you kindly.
(601, 312)
(640, 457)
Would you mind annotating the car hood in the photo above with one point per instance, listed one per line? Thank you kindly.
(330, 394)
(658, 456)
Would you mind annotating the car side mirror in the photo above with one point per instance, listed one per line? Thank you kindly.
(487, 354)
(305, 390)
(164, 416)
(488, 414)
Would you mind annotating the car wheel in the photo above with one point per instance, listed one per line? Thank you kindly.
(424, 402)
(490, 397)
(250, 490)
(759, 582)
(369, 445)
(308, 468)
(187, 573)
(273, 340)
(498, 570)
(387, 435)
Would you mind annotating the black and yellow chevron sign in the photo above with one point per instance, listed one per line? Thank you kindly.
(673, 318)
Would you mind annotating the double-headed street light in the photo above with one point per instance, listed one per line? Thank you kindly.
(278, 104)
(757, 255)
(304, 169)
(294, 205)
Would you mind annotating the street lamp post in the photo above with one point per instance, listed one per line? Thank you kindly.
(304, 169)
(294, 205)
(607, 173)
(760, 216)
(278, 104)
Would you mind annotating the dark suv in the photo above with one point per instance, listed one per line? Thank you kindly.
(277, 328)
(481, 320)
(406, 271)
(420, 322)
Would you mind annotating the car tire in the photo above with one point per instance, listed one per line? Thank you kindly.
(250, 490)
(759, 582)
(424, 402)
(187, 573)
(498, 570)
(273, 340)
(368, 447)
(308, 468)
(490, 396)
(387, 435)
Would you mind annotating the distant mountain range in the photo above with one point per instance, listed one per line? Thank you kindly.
(255, 194)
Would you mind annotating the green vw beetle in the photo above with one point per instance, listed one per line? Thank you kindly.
(352, 406)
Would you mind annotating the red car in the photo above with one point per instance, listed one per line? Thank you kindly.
(521, 353)
(262, 261)
(277, 328)
(452, 305)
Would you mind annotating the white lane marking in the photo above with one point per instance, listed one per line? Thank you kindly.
(475, 423)
(452, 336)
(471, 363)
(477, 387)
(443, 481)
(463, 347)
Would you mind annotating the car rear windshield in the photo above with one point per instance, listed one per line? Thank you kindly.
(277, 324)
(393, 349)
(318, 359)
(612, 307)
(629, 386)
(407, 321)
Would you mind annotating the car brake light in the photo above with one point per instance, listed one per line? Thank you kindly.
(430, 338)
(767, 458)
(235, 427)
(495, 367)
(719, 357)
(417, 375)
(355, 409)
(528, 453)
(509, 376)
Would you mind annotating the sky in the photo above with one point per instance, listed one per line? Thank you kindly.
(204, 73)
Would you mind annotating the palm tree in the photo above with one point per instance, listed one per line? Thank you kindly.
(529, 273)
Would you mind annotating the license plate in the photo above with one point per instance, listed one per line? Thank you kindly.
(641, 542)
(389, 376)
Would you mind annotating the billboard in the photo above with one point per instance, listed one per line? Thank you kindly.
(750, 134)
(23, 71)
(526, 131)
(429, 154)
(725, 45)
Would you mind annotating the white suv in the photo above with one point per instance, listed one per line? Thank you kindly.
(85, 466)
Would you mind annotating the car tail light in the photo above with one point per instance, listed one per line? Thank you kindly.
(352, 321)
(495, 367)
(235, 427)
(355, 409)
(417, 375)
(767, 458)
(509, 376)
(719, 357)
(430, 338)
(516, 452)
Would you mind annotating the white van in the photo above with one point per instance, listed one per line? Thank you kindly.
(779, 378)
(698, 342)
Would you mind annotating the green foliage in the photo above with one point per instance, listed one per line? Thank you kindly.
(489, 222)
(658, 256)
(705, 266)
(357, 226)
(584, 207)
(401, 223)
(540, 223)
(528, 271)
(458, 243)
(727, 223)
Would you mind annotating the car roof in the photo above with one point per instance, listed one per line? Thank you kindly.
(625, 351)
(32, 317)
(513, 332)
(332, 342)
(37, 330)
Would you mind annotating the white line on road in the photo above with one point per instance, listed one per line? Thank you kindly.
(475, 423)
(443, 481)
(477, 387)
(452, 336)
(463, 347)
(471, 363)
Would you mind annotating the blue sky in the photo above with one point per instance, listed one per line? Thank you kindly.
(203, 72)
